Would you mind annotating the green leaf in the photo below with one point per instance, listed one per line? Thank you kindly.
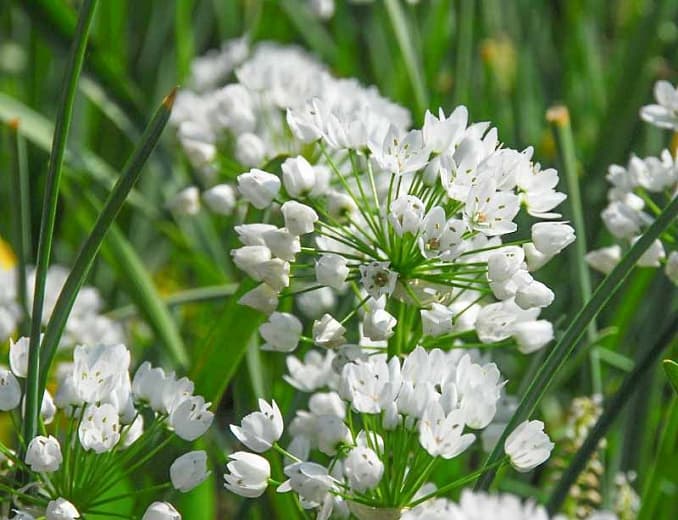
(671, 369)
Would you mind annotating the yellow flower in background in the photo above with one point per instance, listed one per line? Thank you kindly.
(7, 257)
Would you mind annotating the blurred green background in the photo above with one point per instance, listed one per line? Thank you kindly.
(507, 61)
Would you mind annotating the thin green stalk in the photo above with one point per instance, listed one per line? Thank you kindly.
(21, 220)
(49, 208)
(562, 350)
(464, 51)
(612, 411)
(410, 56)
(559, 117)
(85, 258)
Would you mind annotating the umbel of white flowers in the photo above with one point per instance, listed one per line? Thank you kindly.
(384, 416)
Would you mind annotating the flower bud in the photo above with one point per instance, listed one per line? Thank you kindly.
(161, 511)
(328, 332)
(528, 446)
(220, 199)
(534, 294)
(298, 176)
(551, 238)
(258, 187)
(407, 213)
(44, 454)
(299, 218)
(249, 474)
(250, 150)
(363, 469)
(186, 202)
(61, 509)
(604, 259)
(189, 470)
(378, 325)
(532, 335)
(10, 390)
(331, 270)
(281, 332)
(262, 298)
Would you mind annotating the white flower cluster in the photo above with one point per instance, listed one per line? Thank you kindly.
(414, 218)
(639, 191)
(245, 120)
(109, 414)
(86, 323)
(384, 424)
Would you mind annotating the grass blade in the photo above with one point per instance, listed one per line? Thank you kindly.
(21, 219)
(61, 129)
(562, 350)
(412, 63)
(612, 411)
(106, 217)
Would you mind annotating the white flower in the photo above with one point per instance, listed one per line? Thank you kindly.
(328, 332)
(253, 234)
(161, 511)
(260, 430)
(551, 238)
(532, 335)
(99, 370)
(534, 294)
(309, 480)
(220, 199)
(10, 390)
(100, 428)
(504, 263)
(249, 474)
(665, 113)
(282, 243)
(534, 258)
(131, 433)
(299, 218)
(528, 446)
(440, 133)
(186, 202)
(442, 435)
(378, 324)
(490, 211)
(437, 320)
(191, 418)
(258, 187)
(298, 177)
(407, 213)
(604, 259)
(363, 384)
(18, 355)
(363, 469)
(189, 470)
(331, 432)
(622, 220)
(400, 154)
(61, 509)
(377, 279)
(331, 270)
(44, 454)
(653, 256)
(439, 236)
(313, 373)
(262, 298)
(250, 150)
(281, 332)
(250, 259)
(478, 390)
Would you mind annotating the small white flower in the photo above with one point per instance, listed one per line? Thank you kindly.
(622, 220)
(504, 263)
(100, 428)
(437, 320)
(18, 355)
(250, 259)
(10, 390)
(189, 470)
(331, 270)
(528, 446)
(298, 176)
(161, 511)
(551, 238)
(363, 469)
(377, 279)
(282, 243)
(532, 335)
(299, 218)
(653, 256)
(440, 133)
(665, 113)
(309, 480)
(186, 202)
(44, 454)
(249, 474)
(262, 298)
(250, 150)
(604, 259)
(490, 211)
(260, 430)
(328, 332)
(407, 213)
(331, 432)
(442, 435)
(191, 418)
(99, 370)
(281, 332)
(258, 187)
(378, 324)
(534, 294)
(220, 199)
(61, 509)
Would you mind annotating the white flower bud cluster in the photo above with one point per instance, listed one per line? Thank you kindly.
(639, 191)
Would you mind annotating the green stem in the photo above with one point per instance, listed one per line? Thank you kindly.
(562, 350)
(559, 118)
(105, 219)
(61, 129)
(412, 63)
(464, 51)
(612, 411)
